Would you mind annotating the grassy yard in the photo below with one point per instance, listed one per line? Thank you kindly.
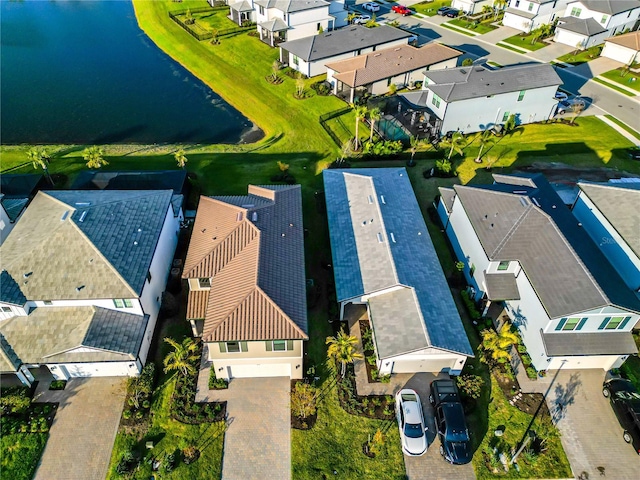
(623, 77)
(582, 56)
(524, 41)
(20, 455)
(430, 8)
(626, 127)
(479, 28)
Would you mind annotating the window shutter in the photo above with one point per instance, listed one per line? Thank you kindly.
(561, 324)
(223, 347)
(581, 324)
(604, 323)
(624, 323)
(243, 347)
(269, 346)
(290, 343)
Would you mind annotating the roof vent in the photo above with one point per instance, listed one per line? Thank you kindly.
(393, 237)
(254, 216)
(523, 201)
(291, 225)
(370, 199)
(377, 54)
(64, 216)
(396, 49)
(83, 215)
(27, 275)
(135, 242)
(534, 200)
(249, 205)
(379, 237)
(203, 230)
(283, 234)
(579, 224)
(82, 204)
(463, 71)
(364, 223)
(239, 217)
(79, 288)
(382, 200)
(491, 226)
(139, 230)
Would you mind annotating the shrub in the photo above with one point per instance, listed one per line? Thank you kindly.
(303, 400)
(444, 166)
(470, 385)
(385, 378)
(522, 349)
(217, 383)
(16, 403)
(470, 304)
(382, 148)
(531, 372)
(57, 385)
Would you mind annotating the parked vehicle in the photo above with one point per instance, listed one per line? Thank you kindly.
(371, 6)
(411, 422)
(401, 10)
(570, 105)
(442, 10)
(361, 19)
(450, 422)
(452, 13)
(625, 401)
(561, 96)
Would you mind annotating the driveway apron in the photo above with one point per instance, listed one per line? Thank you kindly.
(84, 429)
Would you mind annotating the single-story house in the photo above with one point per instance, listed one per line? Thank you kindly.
(527, 15)
(310, 55)
(383, 257)
(15, 193)
(475, 98)
(589, 22)
(523, 249)
(247, 286)
(610, 214)
(376, 71)
(83, 273)
(623, 48)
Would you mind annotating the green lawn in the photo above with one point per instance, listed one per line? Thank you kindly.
(523, 40)
(581, 56)
(430, 8)
(623, 77)
(626, 127)
(215, 19)
(20, 455)
(479, 28)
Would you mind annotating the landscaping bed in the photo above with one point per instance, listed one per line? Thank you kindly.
(525, 41)
(581, 56)
(381, 407)
(624, 77)
(373, 376)
(474, 25)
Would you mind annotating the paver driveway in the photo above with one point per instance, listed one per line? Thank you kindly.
(84, 429)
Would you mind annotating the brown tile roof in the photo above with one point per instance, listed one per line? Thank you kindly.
(630, 40)
(252, 248)
(390, 62)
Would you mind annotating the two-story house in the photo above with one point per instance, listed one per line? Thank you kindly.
(281, 20)
(527, 15)
(82, 278)
(522, 247)
(384, 259)
(475, 98)
(247, 287)
(589, 22)
(310, 55)
(471, 7)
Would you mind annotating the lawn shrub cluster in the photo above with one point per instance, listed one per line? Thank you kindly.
(216, 383)
(532, 373)
(19, 415)
(139, 393)
(472, 309)
(382, 148)
(322, 88)
(304, 405)
(381, 407)
(58, 385)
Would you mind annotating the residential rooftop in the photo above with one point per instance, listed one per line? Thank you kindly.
(291, 6)
(629, 40)
(581, 26)
(612, 7)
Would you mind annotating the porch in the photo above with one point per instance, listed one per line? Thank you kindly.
(402, 120)
(241, 14)
(273, 32)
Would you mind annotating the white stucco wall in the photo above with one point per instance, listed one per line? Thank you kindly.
(619, 53)
(431, 360)
(617, 22)
(469, 6)
(544, 14)
(64, 371)
(576, 40)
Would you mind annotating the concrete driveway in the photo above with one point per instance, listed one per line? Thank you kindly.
(84, 428)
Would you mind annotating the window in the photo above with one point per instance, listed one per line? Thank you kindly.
(530, 6)
(279, 345)
(296, 60)
(604, 19)
(472, 270)
(6, 309)
(204, 282)
(521, 95)
(614, 323)
(261, 10)
(233, 347)
(319, 26)
(123, 303)
(505, 117)
(436, 100)
(47, 302)
(575, 12)
(503, 266)
(517, 3)
(149, 277)
(568, 324)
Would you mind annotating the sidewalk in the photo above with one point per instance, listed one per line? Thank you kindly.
(620, 130)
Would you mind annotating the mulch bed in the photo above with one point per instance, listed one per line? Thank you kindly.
(300, 423)
(364, 406)
(525, 402)
(364, 326)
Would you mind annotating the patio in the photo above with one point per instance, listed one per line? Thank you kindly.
(401, 120)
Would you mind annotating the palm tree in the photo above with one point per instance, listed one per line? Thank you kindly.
(180, 157)
(484, 139)
(40, 158)
(94, 157)
(415, 142)
(497, 344)
(342, 349)
(456, 143)
(486, 11)
(374, 116)
(182, 358)
(498, 5)
(361, 112)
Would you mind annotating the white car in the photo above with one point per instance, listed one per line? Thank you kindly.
(360, 19)
(371, 6)
(411, 422)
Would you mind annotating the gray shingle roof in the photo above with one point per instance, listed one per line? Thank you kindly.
(13, 206)
(521, 13)
(581, 26)
(10, 291)
(116, 331)
(338, 42)
(501, 286)
(620, 204)
(274, 25)
(463, 83)
(292, 5)
(378, 241)
(533, 226)
(131, 180)
(564, 344)
(242, 6)
(611, 7)
(9, 360)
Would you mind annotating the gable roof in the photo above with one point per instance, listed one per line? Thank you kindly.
(612, 7)
(19, 185)
(9, 360)
(630, 40)
(462, 83)
(381, 248)
(274, 25)
(72, 245)
(531, 225)
(374, 66)
(344, 40)
(252, 248)
(620, 204)
(75, 334)
(242, 6)
(581, 26)
(291, 6)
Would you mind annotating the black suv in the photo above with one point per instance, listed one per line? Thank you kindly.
(450, 422)
(625, 401)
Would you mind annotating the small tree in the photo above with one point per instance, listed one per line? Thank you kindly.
(299, 87)
(470, 385)
(498, 344)
(454, 144)
(284, 167)
(342, 349)
(215, 36)
(376, 442)
(182, 358)
(414, 142)
(17, 402)
(303, 400)
(40, 158)
(374, 116)
(393, 88)
(351, 16)
(94, 156)
(140, 388)
(180, 157)
(320, 30)
(498, 6)
(443, 165)
(485, 139)
(510, 125)
(275, 70)
(578, 107)
(360, 111)
(467, 62)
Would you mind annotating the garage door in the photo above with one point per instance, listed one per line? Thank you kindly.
(261, 370)
(423, 365)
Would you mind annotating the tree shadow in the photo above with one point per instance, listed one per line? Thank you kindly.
(564, 395)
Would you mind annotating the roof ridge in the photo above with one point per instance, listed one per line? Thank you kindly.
(511, 231)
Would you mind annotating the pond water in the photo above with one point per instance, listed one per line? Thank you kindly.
(83, 72)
